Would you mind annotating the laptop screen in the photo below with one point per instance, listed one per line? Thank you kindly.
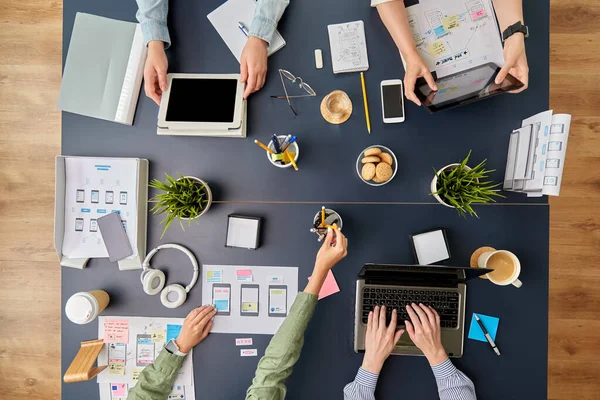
(430, 275)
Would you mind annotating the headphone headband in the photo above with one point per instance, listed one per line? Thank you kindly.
(146, 263)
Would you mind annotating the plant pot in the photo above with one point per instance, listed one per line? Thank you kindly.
(434, 187)
(208, 194)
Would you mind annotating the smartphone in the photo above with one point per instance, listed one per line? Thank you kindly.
(392, 101)
(144, 350)
(277, 300)
(221, 298)
(249, 300)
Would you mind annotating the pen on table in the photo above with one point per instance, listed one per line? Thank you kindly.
(276, 144)
(364, 90)
(285, 143)
(243, 29)
(286, 146)
(268, 150)
(291, 158)
(487, 335)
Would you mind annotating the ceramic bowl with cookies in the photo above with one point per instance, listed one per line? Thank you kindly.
(376, 165)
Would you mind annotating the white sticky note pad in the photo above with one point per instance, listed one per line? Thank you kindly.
(248, 352)
(242, 232)
(430, 247)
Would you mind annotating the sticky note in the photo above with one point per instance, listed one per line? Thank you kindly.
(478, 14)
(244, 275)
(118, 389)
(173, 332)
(437, 48)
(248, 352)
(490, 323)
(116, 331)
(275, 279)
(330, 286)
(243, 342)
(116, 351)
(158, 336)
(177, 393)
(116, 368)
(135, 373)
(450, 22)
(213, 276)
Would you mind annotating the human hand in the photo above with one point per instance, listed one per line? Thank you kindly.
(379, 340)
(424, 330)
(253, 65)
(195, 328)
(155, 71)
(416, 68)
(515, 61)
(333, 249)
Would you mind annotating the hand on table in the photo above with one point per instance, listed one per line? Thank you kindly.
(253, 65)
(155, 71)
(333, 249)
(380, 340)
(196, 327)
(515, 61)
(424, 330)
(416, 68)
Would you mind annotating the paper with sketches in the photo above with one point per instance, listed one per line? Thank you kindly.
(116, 331)
(348, 47)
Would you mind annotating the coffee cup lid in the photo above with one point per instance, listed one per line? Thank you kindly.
(79, 309)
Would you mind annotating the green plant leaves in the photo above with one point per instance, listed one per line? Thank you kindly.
(461, 187)
(181, 198)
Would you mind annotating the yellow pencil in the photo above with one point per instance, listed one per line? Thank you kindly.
(264, 147)
(364, 90)
(291, 158)
(322, 216)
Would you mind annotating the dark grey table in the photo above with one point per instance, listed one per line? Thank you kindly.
(240, 175)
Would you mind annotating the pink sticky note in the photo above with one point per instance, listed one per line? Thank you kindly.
(119, 389)
(330, 286)
(116, 331)
(244, 275)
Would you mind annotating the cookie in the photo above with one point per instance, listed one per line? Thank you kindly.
(371, 159)
(383, 171)
(368, 171)
(377, 180)
(386, 158)
(372, 152)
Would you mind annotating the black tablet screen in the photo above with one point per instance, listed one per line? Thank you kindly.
(202, 100)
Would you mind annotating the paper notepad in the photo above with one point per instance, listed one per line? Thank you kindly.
(225, 20)
(348, 47)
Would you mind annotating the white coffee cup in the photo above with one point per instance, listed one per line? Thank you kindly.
(83, 307)
(506, 267)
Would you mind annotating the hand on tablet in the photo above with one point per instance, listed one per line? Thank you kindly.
(253, 65)
(515, 61)
(416, 68)
(155, 71)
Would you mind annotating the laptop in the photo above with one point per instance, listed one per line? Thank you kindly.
(395, 286)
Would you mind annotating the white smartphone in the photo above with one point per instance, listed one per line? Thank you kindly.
(392, 101)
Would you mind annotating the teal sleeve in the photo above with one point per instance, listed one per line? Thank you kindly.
(283, 352)
(156, 380)
(152, 15)
(266, 17)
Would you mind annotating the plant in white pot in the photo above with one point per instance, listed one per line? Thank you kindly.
(458, 186)
(186, 198)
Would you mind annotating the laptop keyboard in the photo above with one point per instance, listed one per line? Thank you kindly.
(444, 302)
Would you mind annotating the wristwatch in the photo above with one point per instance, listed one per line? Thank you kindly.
(515, 28)
(174, 349)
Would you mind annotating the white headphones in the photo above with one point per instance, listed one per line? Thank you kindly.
(153, 280)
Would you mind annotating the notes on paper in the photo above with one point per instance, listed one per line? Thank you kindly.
(173, 332)
(135, 373)
(116, 331)
(248, 352)
(158, 336)
(116, 351)
(437, 48)
(243, 342)
(116, 367)
(244, 275)
(118, 390)
(450, 22)
(213, 276)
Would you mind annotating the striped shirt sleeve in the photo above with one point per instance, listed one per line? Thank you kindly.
(453, 384)
(363, 386)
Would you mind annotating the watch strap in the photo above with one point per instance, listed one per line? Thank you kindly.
(517, 27)
(172, 348)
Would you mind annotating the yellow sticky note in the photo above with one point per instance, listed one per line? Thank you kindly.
(116, 368)
(450, 22)
(159, 336)
(135, 374)
(437, 48)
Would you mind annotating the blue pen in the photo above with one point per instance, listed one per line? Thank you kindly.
(276, 144)
(243, 29)
(287, 145)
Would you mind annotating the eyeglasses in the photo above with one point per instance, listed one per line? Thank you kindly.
(305, 86)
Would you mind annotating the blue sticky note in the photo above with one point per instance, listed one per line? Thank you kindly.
(490, 323)
(173, 332)
(222, 305)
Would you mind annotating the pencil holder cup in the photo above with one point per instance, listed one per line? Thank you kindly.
(280, 160)
(331, 217)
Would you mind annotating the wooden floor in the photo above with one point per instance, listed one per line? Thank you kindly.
(30, 71)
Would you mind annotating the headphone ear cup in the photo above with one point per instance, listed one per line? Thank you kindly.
(153, 280)
(178, 290)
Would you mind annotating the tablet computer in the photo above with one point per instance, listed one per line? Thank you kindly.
(202, 102)
(465, 87)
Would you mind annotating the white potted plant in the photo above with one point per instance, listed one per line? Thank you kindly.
(185, 199)
(458, 186)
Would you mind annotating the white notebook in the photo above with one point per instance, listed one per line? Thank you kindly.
(104, 69)
(348, 47)
(225, 20)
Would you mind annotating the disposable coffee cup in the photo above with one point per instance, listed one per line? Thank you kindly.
(83, 307)
(506, 267)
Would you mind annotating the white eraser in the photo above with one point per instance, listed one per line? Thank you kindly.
(318, 58)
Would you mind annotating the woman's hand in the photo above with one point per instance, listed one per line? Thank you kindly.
(253, 65)
(416, 68)
(334, 249)
(380, 340)
(196, 327)
(155, 71)
(515, 61)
